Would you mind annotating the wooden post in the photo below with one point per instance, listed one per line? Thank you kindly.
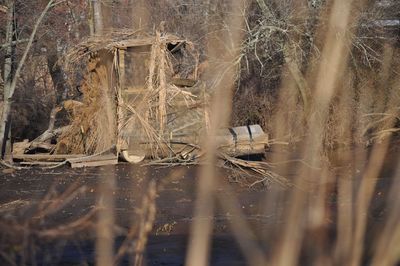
(121, 144)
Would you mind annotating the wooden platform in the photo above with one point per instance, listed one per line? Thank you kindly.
(46, 157)
(75, 160)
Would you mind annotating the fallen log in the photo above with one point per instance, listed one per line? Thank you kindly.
(39, 163)
(41, 145)
(70, 106)
(41, 142)
(49, 134)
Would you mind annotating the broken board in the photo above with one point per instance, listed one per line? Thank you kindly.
(45, 157)
(92, 161)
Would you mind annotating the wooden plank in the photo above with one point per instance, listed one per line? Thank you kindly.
(93, 158)
(94, 163)
(242, 150)
(133, 90)
(40, 163)
(249, 140)
(183, 82)
(179, 103)
(122, 67)
(46, 157)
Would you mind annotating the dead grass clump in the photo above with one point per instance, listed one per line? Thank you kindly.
(151, 119)
(93, 128)
(147, 115)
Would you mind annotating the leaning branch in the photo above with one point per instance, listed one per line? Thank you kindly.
(11, 90)
(28, 47)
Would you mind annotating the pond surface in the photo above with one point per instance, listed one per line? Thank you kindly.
(22, 191)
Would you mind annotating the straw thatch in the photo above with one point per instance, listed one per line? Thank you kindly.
(107, 116)
(93, 127)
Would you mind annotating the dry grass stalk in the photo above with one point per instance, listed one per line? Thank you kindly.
(37, 224)
(261, 168)
(106, 219)
(150, 110)
(363, 199)
(162, 97)
(148, 215)
(93, 128)
(386, 251)
(199, 242)
(329, 70)
(147, 113)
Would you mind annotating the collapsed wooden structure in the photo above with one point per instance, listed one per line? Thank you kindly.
(142, 97)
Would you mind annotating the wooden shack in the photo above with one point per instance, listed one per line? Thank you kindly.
(161, 103)
(143, 95)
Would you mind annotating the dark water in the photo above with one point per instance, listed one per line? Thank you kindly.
(160, 250)
(21, 191)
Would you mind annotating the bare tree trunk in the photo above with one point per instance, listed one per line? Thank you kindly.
(56, 73)
(10, 47)
(8, 44)
(291, 61)
(9, 67)
(11, 81)
(97, 17)
(90, 18)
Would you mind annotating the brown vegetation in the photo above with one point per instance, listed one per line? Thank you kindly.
(323, 76)
(93, 127)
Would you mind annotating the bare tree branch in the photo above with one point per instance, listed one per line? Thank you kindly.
(5, 45)
(11, 90)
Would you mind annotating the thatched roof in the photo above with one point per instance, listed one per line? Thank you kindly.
(113, 40)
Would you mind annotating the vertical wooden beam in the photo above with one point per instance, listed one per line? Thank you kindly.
(121, 55)
(121, 144)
